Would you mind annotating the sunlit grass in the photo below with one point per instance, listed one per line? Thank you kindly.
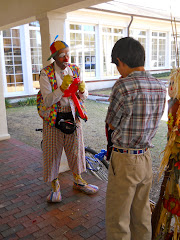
(22, 122)
(96, 126)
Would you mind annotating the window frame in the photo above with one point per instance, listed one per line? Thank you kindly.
(158, 38)
(82, 63)
(135, 35)
(15, 86)
(35, 65)
(112, 67)
(173, 54)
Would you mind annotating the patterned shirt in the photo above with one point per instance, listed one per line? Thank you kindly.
(136, 106)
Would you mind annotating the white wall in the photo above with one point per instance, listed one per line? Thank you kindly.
(18, 12)
(99, 19)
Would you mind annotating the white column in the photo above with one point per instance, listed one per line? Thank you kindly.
(50, 26)
(168, 50)
(3, 120)
(26, 59)
(148, 49)
(99, 52)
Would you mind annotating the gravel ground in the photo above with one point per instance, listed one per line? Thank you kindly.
(23, 121)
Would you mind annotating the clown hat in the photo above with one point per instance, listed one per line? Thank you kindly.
(55, 47)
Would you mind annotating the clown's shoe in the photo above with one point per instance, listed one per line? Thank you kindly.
(83, 186)
(55, 194)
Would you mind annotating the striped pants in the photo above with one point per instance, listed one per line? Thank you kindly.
(53, 143)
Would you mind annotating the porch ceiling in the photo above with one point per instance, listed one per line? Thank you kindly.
(17, 12)
(161, 9)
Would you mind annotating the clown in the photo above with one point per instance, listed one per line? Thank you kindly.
(55, 80)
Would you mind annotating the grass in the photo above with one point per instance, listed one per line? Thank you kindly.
(166, 78)
(27, 102)
(159, 142)
(97, 113)
(22, 122)
(106, 91)
(7, 103)
(163, 75)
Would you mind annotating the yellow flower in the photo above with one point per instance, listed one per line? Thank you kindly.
(170, 120)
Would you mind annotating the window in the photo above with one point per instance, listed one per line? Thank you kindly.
(174, 51)
(34, 24)
(36, 53)
(82, 48)
(109, 37)
(139, 35)
(158, 49)
(13, 62)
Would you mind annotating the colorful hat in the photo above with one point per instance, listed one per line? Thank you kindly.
(55, 47)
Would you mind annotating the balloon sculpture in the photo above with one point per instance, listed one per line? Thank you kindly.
(71, 92)
(166, 215)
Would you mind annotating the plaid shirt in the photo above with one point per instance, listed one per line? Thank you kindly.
(136, 106)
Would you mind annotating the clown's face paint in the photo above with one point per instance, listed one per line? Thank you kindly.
(62, 58)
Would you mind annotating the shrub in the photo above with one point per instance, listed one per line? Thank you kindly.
(7, 103)
(31, 101)
(160, 75)
(27, 102)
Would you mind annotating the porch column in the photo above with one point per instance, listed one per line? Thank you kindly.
(52, 24)
(26, 59)
(3, 120)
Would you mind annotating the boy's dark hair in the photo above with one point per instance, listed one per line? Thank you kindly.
(129, 51)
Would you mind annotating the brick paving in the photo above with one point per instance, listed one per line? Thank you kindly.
(24, 212)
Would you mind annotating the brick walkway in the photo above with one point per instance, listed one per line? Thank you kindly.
(24, 212)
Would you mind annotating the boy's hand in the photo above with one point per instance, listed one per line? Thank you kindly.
(111, 126)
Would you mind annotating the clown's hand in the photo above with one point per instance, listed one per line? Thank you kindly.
(81, 87)
(66, 82)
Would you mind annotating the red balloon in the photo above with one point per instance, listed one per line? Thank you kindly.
(72, 89)
(71, 92)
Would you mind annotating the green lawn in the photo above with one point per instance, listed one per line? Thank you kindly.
(106, 91)
(22, 122)
(95, 126)
(159, 143)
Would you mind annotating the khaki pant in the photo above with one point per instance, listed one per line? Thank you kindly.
(128, 214)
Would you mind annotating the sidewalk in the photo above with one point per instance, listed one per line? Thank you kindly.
(24, 212)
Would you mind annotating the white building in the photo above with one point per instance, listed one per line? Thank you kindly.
(27, 30)
(91, 34)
